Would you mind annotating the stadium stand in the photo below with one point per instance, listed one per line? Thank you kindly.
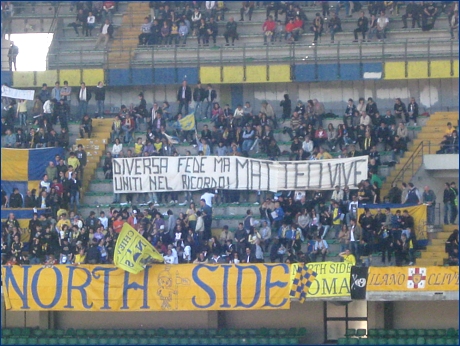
(401, 66)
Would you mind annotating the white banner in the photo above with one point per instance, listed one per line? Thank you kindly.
(17, 94)
(190, 173)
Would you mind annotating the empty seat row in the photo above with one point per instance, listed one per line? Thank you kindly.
(398, 341)
(393, 333)
(12, 340)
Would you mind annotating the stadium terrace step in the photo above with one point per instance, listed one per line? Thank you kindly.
(427, 262)
(438, 241)
(440, 125)
(420, 139)
(434, 137)
(443, 235)
(436, 248)
(438, 128)
(449, 228)
(448, 116)
(92, 141)
(433, 255)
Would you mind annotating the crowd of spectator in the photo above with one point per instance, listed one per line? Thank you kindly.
(285, 222)
(91, 14)
(171, 23)
(34, 127)
(286, 219)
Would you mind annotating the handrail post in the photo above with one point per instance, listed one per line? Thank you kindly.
(266, 62)
(406, 72)
(338, 61)
(244, 63)
(429, 57)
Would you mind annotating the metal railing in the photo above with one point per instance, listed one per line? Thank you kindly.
(410, 167)
(243, 54)
(53, 25)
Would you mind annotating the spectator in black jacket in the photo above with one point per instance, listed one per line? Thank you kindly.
(93, 255)
(16, 200)
(21, 139)
(287, 107)
(86, 126)
(198, 97)
(80, 21)
(412, 12)
(99, 94)
(363, 24)
(184, 97)
(230, 31)
(29, 200)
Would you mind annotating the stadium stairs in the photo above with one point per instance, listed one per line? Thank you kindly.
(431, 135)
(435, 253)
(95, 149)
(122, 48)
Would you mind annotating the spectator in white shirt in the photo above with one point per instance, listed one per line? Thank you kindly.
(320, 249)
(104, 220)
(208, 196)
(337, 195)
(45, 184)
(90, 24)
(308, 145)
(187, 255)
(117, 148)
(382, 26)
(169, 258)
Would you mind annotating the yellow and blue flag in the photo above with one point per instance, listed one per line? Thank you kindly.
(133, 252)
(302, 282)
(24, 169)
(188, 123)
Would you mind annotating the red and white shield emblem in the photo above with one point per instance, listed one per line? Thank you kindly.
(416, 278)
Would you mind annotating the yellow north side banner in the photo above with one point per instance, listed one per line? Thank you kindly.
(413, 279)
(133, 252)
(332, 279)
(185, 287)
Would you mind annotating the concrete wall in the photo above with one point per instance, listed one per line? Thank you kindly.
(205, 319)
(432, 95)
(428, 314)
(441, 162)
(308, 315)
